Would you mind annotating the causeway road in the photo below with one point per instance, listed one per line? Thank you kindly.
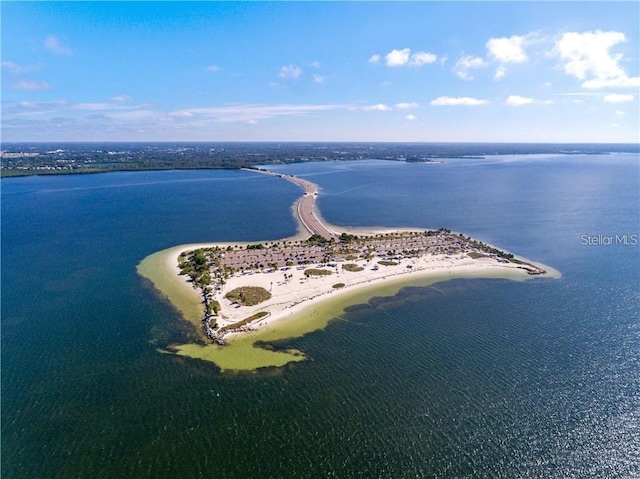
(306, 205)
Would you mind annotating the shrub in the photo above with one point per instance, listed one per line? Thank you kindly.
(249, 295)
(385, 262)
(317, 272)
(354, 268)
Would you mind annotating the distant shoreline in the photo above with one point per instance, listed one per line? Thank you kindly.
(19, 159)
(294, 291)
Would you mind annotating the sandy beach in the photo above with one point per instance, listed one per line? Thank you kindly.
(293, 292)
(298, 292)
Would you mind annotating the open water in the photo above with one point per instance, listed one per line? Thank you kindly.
(467, 378)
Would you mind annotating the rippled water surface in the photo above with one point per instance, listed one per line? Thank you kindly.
(468, 378)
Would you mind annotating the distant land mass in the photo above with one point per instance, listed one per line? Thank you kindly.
(22, 159)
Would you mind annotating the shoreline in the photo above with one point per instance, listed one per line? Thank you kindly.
(244, 352)
(295, 297)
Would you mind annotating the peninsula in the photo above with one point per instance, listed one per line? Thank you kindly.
(235, 290)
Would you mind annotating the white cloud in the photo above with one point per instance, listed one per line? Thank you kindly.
(466, 63)
(620, 82)
(517, 100)
(587, 56)
(411, 117)
(290, 71)
(21, 69)
(458, 101)
(501, 71)
(398, 58)
(181, 114)
(375, 59)
(104, 106)
(377, 107)
(213, 68)
(406, 106)
(132, 114)
(578, 93)
(30, 109)
(422, 58)
(507, 50)
(618, 98)
(55, 46)
(122, 98)
(30, 85)
(318, 78)
(620, 113)
(44, 105)
(28, 105)
(248, 113)
(93, 106)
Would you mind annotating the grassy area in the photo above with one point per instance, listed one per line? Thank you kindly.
(385, 262)
(317, 272)
(244, 322)
(249, 295)
(352, 267)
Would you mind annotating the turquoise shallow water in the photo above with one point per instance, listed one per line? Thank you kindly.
(469, 378)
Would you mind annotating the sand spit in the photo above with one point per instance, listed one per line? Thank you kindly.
(301, 277)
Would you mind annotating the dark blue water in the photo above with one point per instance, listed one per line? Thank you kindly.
(470, 378)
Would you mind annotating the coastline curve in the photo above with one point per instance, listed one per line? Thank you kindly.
(301, 303)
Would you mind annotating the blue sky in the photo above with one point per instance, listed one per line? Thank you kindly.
(321, 71)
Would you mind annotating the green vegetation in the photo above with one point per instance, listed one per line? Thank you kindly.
(486, 248)
(244, 322)
(352, 267)
(385, 262)
(317, 239)
(317, 272)
(347, 238)
(517, 261)
(213, 308)
(195, 265)
(249, 295)
(61, 159)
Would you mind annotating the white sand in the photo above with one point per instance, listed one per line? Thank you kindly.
(291, 295)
